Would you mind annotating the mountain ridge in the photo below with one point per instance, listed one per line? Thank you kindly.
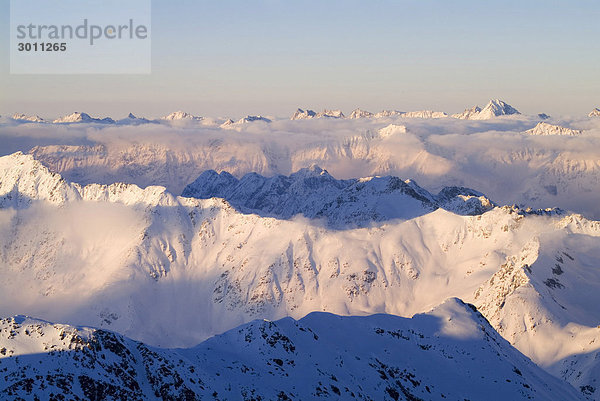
(314, 193)
(285, 359)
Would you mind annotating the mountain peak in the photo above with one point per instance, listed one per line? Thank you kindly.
(543, 128)
(494, 108)
(331, 114)
(468, 114)
(303, 114)
(180, 115)
(388, 113)
(594, 113)
(23, 179)
(81, 117)
(311, 171)
(23, 117)
(424, 114)
(358, 113)
(392, 129)
(497, 107)
(250, 119)
(74, 117)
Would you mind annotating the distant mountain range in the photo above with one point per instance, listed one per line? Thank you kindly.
(495, 108)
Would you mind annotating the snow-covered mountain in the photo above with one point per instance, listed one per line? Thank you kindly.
(331, 114)
(250, 119)
(303, 115)
(131, 119)
(181, 115)
(388, 113)
(424, 114)
(392, 129)
(448, 353)
(468, 114)
(594, 113)
(358, 113)
(173, 270)
(78, 117)
(543, 128)
(227, 124)
(23, 117)
(495, 108)
(314, 193)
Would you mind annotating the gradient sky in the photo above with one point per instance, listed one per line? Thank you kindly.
(232, 58)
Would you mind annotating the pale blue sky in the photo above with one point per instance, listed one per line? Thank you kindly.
(231, 58)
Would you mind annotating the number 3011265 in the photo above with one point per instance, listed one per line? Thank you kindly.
(41, 47)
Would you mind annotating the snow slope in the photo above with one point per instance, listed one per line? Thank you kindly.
(173, 271)
(451, 352)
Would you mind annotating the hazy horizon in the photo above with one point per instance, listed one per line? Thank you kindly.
(237, 58)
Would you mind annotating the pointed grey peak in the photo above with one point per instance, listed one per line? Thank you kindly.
(543, 116)
(131, 119)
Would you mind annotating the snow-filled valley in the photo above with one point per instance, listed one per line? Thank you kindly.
(399, 214)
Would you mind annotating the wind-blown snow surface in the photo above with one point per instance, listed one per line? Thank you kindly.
(173, 271)
(496, 156)
(449, 353)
